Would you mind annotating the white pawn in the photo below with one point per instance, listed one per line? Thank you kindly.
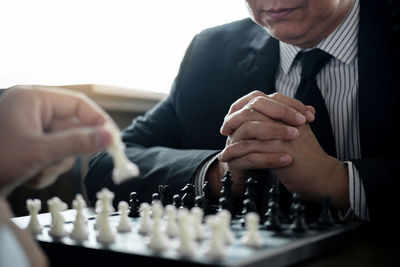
(97, 210)
(172, 228)
(145, 223)
(79, 231)
(187, 243)
(33, 206)
(105, 233)
(57, 220)
(124, 224)
(197, 214)
(158, 239)
(252, 237)
(225, 217)
(216, 248)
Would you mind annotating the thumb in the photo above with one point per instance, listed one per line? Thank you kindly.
(75, 141)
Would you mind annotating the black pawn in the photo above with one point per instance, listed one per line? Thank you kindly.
(299, 224)
(227, 189)
(248, 206)
(295, 201)
(207, 206)
(155, 197)
(273, 222)
(273, 198)
(251, 191)
(134, 205)
(188, 196)
(163, 190)
(176, 201)
(325, 219)
(198, 202)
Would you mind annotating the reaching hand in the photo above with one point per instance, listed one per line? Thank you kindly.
(42, 129)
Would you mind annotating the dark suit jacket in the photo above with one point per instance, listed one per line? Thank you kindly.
(226, 62)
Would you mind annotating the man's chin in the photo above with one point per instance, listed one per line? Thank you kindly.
(288, 35)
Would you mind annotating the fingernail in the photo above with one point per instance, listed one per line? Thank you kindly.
(300, 118)
(310, 116)
(284, 159)
(102, 138)
(292, 132)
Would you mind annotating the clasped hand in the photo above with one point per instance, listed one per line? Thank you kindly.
(273, 131)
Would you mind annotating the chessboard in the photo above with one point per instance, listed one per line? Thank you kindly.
(278, 248)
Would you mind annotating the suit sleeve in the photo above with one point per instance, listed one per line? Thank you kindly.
(154, 143)
(380, 179)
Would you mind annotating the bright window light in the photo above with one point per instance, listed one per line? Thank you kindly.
(127, 43)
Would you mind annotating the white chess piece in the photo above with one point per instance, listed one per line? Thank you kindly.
(97, 210)
(124, 224)
(198, 214)
(123, 168)
(105, 234)
(57, 220)
(172, 228)
(252, 237)
(225, 217)
(145, 223)
(158, 238)
(79, 230)
(187, 243)
(216, 248)
(33, 206)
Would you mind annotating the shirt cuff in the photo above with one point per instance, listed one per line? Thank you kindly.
(200, 174)
(358, 199)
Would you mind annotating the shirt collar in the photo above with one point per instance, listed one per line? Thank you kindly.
(341, 43)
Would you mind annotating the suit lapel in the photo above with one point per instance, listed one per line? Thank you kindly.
(257, 70)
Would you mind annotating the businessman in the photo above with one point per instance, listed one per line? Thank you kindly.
(307, 88)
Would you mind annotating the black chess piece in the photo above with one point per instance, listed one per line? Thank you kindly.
(207, 207)
(223, 204)
(273, 222)
(134, 205)
(299, 224)
(188, 196)
(248, 206)
(227, 189)
(176, 201)
(155, 197)
(274, 194)
(325, 220)
(251, 191)
(163, 190)
(198, 202)
(295, 201)
(273, 197)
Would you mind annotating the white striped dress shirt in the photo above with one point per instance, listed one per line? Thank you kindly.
(339, 86)
(338, 82)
